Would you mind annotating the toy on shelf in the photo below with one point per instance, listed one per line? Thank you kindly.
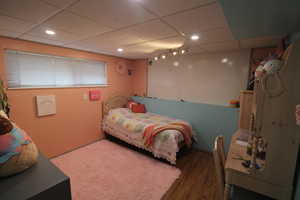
(234, 104)
(272, 66)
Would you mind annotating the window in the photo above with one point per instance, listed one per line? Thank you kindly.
(29, 70)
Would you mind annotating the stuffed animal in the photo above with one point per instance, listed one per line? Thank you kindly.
(272, 66)
(259, 71)
(17, 151)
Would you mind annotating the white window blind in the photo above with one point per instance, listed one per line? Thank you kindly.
(38, 70)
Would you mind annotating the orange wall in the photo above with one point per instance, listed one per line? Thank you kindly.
(140, 77)
(77, 121)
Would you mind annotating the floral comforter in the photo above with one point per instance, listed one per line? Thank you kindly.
(129, 127)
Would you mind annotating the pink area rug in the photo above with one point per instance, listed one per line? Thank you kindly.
(108, 171)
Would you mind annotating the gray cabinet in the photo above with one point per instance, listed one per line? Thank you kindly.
(42, 181)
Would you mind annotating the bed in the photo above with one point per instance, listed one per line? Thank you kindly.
(120, 122)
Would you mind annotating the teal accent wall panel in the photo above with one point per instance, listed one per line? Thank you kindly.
(257, 18)
(208, 121)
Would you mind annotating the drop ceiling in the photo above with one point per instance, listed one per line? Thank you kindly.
(143, 28)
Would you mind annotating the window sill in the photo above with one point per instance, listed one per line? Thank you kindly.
(59, 87)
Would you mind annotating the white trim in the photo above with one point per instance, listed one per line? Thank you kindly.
(58, 87)
(51, 55)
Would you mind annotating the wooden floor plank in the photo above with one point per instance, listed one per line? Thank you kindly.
(197, 180)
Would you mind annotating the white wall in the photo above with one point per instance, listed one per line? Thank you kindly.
(200, 78)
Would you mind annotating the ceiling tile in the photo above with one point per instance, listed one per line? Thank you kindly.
(196, 50)
(60, 3)
(156, 46)
(100, 51)
(170, 43)
(112, 13)
(259, 42)
(75, 24)
(136, 34)
(216, 35)
(221, 46)
(29, 10)
(198, 20)
(134, 55)
(142, 50)
(152, 30)
(126, 54)
(8, 33)
(40, 40)
(12, 24)
(61, 36)
(110, 40)
(81, 47)
(166, 7)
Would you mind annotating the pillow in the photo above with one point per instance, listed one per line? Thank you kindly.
(138, 108)
(130, 104)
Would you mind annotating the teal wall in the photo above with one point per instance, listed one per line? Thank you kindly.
(259, 18)
(208, 121)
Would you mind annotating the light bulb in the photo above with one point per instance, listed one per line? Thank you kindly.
(195, 37)
(50, 32)
(224, 60)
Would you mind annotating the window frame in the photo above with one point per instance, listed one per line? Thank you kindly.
(52, 86)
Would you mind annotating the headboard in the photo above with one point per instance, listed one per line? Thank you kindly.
(114, 102)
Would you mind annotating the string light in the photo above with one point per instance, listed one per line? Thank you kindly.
(173, 52)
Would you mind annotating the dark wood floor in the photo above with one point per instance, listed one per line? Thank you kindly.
(197, 180)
